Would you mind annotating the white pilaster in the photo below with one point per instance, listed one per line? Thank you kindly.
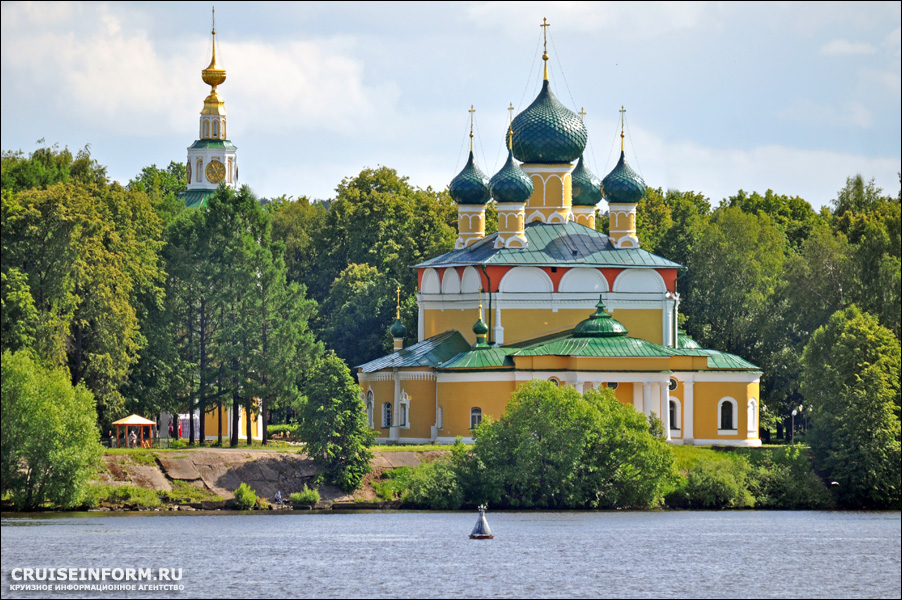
(497, 328)
(688, 411)
(646, 398)
(665, 410)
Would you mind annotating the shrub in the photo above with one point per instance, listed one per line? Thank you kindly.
(245, 497)
(131, 495)
(719, 483)
(787, 481)
(433, 485)
(286, 430)
(306, 497)
(49, 441)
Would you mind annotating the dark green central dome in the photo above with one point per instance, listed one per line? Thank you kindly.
(397, 329)
(586, 185)
(471, 186)
(600, 324)
(511, 184)
(623, 185)
(548, 132)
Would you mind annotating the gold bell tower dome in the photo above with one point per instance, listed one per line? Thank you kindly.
(212, 159)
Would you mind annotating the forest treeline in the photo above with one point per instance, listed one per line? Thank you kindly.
(154, 307)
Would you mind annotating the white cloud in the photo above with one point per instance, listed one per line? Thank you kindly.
(840, 47)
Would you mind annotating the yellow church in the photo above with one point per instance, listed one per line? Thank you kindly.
(548, 297)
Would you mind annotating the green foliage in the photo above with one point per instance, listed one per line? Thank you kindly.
(184, 493)
(306, 497)
(557, 449)
(719, 484)
(433, 485)
(851, 385)
(49, 442)
(86, 252)
(130, 495)
(245, 497)
(290, 430)
(784, 479)
(333, 423)
(793, 215)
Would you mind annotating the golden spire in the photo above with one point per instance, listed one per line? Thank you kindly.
(398, 305)
(472, 110)
(213, 75)
(510, 127)
(545, 25)
(622, 111)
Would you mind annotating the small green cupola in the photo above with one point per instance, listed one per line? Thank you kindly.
(511, 185)
(397, 329)
(586, 185)
(471, 185)
(623, 185)
(481, 330)
(600, 324)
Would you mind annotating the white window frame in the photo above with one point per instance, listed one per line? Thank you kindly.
(752, 418)
(386, 415)
(404, 411)
(676, 423)
(735, 415)
(475, 413)
(370, 409)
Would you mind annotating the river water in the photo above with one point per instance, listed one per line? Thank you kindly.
(736, 554)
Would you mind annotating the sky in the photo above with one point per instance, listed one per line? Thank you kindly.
(719, 96)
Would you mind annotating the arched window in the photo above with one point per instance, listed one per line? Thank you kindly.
(726, 415)
(674, 414)
(753, 418)
(475, 417)
(230, 170)
(370, 403)
(200, 169)
(215, 128)
(386, 414)
(206, 128)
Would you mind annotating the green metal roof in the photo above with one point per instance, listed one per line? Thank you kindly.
(481, 358)
(684, 341)
(601, 347)
(717, 359)
(221, 144)
(196, 198)
(553, 245)
(430, 352)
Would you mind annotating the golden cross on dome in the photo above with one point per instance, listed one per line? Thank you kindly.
(510, 127)
(622, 113)
(545, 25)
(214, 20)
(398, 310)
(582, 114)
(472, 110)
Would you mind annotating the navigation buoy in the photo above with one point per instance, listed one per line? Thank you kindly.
(482, 530)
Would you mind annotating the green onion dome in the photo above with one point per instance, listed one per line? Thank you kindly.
(397, 329)
(480, 328)
(623, 185)
(511, 184)
(471, 186)
(600, 324)
(548, 132)
(586, 185)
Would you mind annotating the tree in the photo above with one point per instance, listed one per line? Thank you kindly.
(334, 425)
(49, 438)
(851, 385)
(555, 448)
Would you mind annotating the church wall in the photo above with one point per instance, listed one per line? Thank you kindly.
(383, 391)
(646, 324)
(526, 324)
(440, 321)
(422, 407)
(457, 398)
(707, 396)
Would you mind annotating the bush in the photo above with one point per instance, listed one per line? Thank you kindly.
(245, 497)
(306, 497)
(433, 485)
(49, 443)
(719, 483)
(284, 430)
(556, 448)
(786, 481)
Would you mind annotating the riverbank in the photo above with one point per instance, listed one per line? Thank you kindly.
(203, 479)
